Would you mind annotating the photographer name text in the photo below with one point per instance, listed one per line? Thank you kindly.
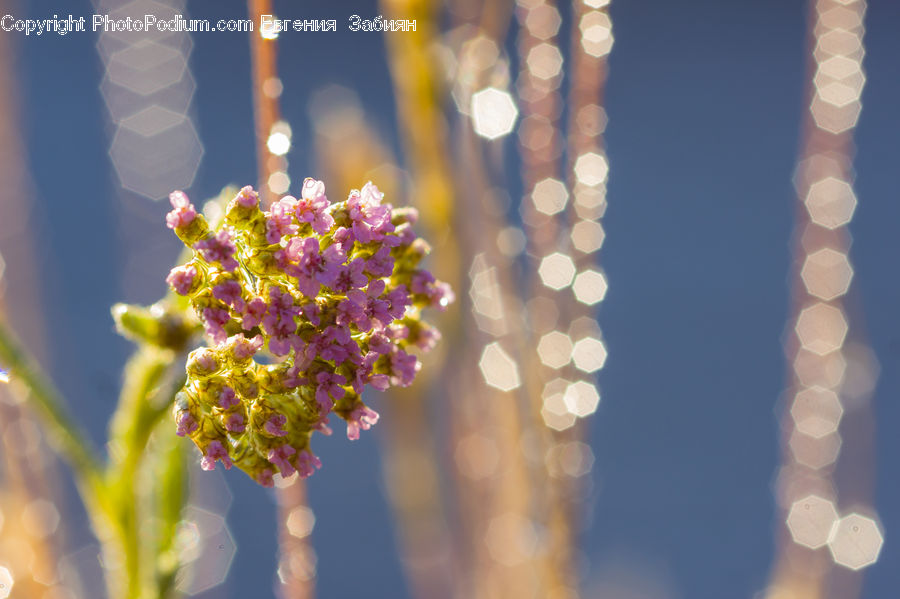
(269, 26)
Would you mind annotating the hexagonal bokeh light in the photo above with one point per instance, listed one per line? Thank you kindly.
(543, 21)
(821, 328)
(498, 368)
(493, 112)
(590, 287)
(596, 34)
(575, 458)
(591, 119)
(834, 119)
(300, 522)
(816, 411)
(206, 545)
(810, 520)
(550, 196)
(545, 61)
(855, 541)
(825, 371)
(831, 202)
(557, 271)
(555, 349)
(815, 452)
(587, 236)
(589, 354)
(827, 274)
(40, 518)
(555, 412)
(582, 398)
(147, 87)
(591, 169)
(838, 42)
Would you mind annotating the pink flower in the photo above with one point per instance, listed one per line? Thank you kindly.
(280, 456)
(427, 338)
(235, 423)
(183, 212)
(381, 264)
(230, 292)
(322, 427)
(307, 464)
(343, 236)
(313, 205)
(215, 451)
(404, 367)
(311, 267)
(280, 219)
(253, 313)
(275, 425)
(371, 219)
(364, 374)
(328, 388)
(360, 418)
(421, 282)
(292, 378)
(215, 320)
(218, 249)
(228, 398)
(380, 343)
(398, 300)
(337, 345)
(204, 360)
(405, 234)
(264, 478)
(185, 424)
(243, 348)
(247, 198)
(439, 295)
(312, 312)
(182, 278)
(279, 322)
(326, 297)
(375, 311)
(351, 276)
(397, 331)
(349, 312)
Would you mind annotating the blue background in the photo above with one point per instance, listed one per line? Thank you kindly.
(705, 101)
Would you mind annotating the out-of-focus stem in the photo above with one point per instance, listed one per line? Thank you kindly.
(265, 106)
(266, 112)
(150, 373)
(296, 569)
(70, 441)
(410, 457)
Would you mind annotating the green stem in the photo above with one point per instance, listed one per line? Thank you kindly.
(170, 494)
(151, 382)
(64, 434)
(66, 437)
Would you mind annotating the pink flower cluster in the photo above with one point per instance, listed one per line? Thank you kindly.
(305, 305)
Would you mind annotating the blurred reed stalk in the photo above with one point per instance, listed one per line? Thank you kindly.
(413, 450)
(542, 108)
(816, 485)
(296, 570)
(507, 502)
(264, 71)
(501, 483)
(33, 529)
